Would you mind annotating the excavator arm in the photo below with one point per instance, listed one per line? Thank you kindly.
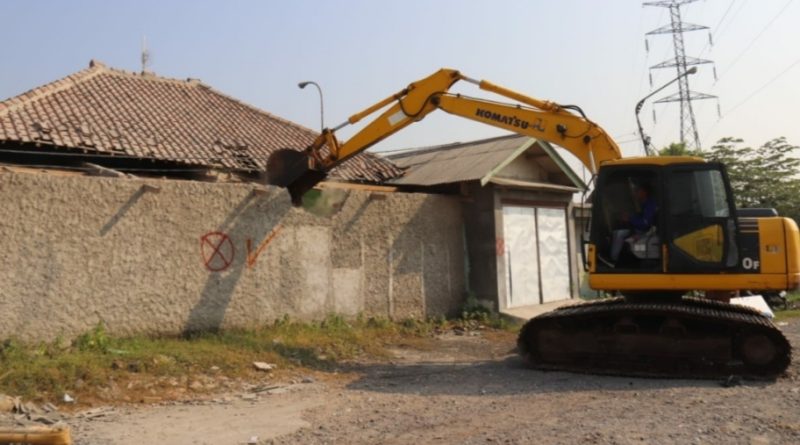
(564, 125)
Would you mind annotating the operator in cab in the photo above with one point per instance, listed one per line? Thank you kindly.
(637, 224)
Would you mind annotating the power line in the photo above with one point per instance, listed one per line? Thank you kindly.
(753, 41)
(630, 133)
(628, 141)
(761, 88)
(733, 17)
(725, 14)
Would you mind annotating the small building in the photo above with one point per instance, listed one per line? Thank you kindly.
(516, 194)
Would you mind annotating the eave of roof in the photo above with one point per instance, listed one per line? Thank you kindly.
(533, 185)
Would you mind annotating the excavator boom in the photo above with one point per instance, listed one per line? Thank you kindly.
(544, 120)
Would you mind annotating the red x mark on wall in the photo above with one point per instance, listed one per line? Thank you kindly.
(217, 251)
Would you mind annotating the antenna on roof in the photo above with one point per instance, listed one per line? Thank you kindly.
(145, 57)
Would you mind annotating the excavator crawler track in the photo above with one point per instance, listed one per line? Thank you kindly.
(690, 338)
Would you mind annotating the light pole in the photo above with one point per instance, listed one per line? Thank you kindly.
(640, 104)
(306, 83)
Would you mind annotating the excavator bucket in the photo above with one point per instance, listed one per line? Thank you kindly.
(289, 169)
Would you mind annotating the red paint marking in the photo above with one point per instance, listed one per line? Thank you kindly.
(500, 246)
(253, 256)
(217, 251)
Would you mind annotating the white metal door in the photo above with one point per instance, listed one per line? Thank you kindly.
(554, 253)
(522, 264)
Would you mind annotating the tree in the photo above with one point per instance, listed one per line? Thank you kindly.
(676, 149)
(762, 177)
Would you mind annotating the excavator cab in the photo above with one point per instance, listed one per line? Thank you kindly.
(663, 215)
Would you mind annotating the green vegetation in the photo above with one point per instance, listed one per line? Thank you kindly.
(677, 149)
(792, 307)
(95, 359)
(475, 314)
(788, 314)
(760, 177)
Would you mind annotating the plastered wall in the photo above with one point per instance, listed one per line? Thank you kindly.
(168, 257)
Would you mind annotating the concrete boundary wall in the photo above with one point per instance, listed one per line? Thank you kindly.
(167, 257)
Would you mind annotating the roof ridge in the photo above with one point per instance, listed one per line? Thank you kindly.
(48, 89)
(95, 68)
(148, 75)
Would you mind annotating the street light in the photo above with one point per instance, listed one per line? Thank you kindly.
(306, 83)
(640, 104)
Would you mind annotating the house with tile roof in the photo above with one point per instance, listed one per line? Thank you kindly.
(143, 124)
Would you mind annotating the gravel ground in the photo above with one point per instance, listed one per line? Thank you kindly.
(472, 389)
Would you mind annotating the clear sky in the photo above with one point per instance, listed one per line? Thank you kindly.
(585, 52)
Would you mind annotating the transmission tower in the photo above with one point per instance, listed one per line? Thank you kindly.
(689, 134)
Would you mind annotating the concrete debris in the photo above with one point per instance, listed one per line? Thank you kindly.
(29, 414)
(264, 388)
(253, 440)
(7, 403)
(264, 366)
(47, 420)
(29, 408)
(278, 390)
(95, 413)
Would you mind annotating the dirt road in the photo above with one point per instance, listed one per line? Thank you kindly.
(471, 389)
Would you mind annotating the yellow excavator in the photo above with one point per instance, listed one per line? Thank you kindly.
(665, 235)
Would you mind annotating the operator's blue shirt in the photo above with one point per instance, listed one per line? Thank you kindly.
(646, 218)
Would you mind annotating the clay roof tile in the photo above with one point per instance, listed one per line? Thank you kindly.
(113, 111)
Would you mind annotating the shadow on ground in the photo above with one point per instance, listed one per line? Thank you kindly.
(505, 376)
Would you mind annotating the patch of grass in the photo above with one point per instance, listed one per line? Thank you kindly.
(787, 314)
(792, 309)
(475, 314)
(95, 363)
